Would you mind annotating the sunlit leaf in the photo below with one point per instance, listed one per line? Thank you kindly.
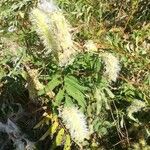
(59, 97)
(67, 145)
(53, 128)
(59, 137)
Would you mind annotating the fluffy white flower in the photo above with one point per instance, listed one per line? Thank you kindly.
(90, 46)
(61, 30)
(41, 23)
(47, 6)
(112, 66)
(67, 57)
(75, 122)
(54, 30)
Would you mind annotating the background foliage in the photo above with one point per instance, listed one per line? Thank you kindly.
(118, 112)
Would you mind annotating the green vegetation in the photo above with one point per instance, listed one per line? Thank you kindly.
(78, 78)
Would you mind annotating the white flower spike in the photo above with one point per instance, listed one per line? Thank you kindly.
(112, 66)
(75, 122)
(90, 46)
(54, 31)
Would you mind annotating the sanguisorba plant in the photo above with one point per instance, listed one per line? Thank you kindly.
(82, 74)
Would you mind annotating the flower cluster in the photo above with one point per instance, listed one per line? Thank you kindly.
(75, 122)
(54, 30)
(112, 66)
(90, 46)
(40, 21)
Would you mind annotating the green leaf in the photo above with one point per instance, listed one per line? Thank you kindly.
(103, 131)
(71, 80)
(97, 124)
(51, 85)
(67, 145)
(59, 97)
(76, 94)
(59, 137)
(68, 101)
(53, 128)
(97, 65)
(105, 100)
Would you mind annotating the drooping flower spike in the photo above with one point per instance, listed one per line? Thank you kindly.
(75, 122)
(54, 31)
(112, 67)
